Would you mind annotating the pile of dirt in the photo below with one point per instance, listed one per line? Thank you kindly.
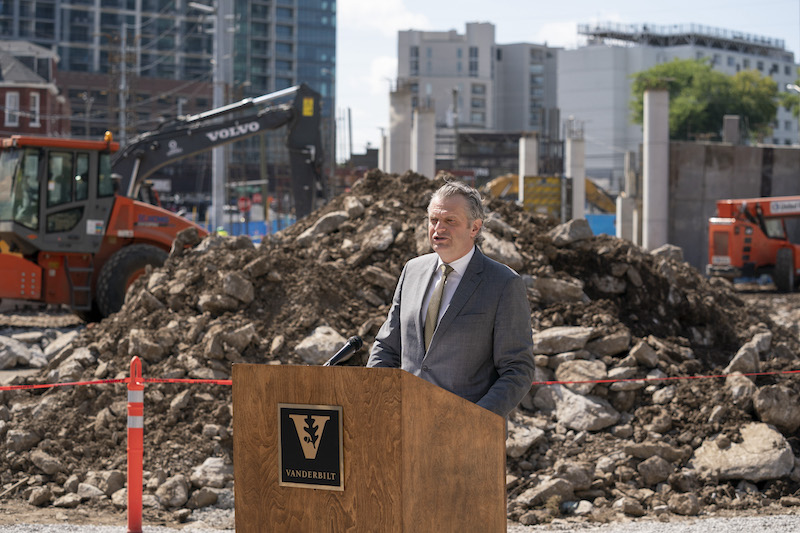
(226, 301)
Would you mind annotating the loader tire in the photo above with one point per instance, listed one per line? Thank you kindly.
(784, 270)
(122, 269)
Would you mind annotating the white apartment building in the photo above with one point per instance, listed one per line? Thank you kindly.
(594, 81)
(466, 83)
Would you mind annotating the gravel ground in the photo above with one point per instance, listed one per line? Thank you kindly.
(751, 524)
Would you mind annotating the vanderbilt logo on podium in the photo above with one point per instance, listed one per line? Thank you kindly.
(310, 440)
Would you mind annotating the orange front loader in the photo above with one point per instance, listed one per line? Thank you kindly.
(68, 236)
(748, 238)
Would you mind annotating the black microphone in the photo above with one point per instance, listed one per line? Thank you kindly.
(352, 345)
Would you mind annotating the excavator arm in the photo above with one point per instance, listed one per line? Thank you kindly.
(297, 108)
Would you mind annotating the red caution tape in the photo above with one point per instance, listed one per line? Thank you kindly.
(229, 382)
(123, 380)
(69, 384)
(647, 380)
(182, 380)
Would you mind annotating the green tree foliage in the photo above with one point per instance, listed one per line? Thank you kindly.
(699, 98)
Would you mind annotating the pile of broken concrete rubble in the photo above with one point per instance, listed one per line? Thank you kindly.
(622, 330)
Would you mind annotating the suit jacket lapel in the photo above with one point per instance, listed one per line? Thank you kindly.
(421, 280)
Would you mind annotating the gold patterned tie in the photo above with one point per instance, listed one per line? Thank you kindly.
(433, 307)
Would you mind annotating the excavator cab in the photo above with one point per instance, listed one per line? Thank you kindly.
(55, 193)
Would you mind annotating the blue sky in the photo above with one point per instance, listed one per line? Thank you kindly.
(367, 35)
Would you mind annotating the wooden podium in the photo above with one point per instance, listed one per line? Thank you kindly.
(414, 457)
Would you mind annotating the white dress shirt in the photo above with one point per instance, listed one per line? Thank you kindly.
(459, 267)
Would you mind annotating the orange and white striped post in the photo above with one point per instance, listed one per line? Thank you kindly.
(135, 445)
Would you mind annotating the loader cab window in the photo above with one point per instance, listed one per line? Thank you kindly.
(59, 178)
(774, 228)
(105, 181)
(81, 180)
(25, 201)
(8, 166)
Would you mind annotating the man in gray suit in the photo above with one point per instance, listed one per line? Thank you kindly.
(481, 348)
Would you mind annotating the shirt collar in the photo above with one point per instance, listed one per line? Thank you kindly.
(459, 265)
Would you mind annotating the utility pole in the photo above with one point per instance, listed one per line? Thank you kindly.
(123, 87)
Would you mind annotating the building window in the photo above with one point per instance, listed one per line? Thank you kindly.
(760, 66)
(533, 118)
(787, 125)
(746, 64)
(35, 120)
(12, 109)
(731, 61)
(459, 53)
(473, 61)
(284, 32)
(478, 103)
(787, 70)
(478, 88)
(478, 117)
(414, 61)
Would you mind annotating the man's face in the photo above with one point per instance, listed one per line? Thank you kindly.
(450, 233)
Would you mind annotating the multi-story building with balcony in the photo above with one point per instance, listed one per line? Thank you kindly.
(594, 81)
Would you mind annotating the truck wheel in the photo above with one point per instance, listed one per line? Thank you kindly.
(784, 270)
(122, 269)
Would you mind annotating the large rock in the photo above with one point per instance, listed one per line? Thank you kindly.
(561, 339)
(741, 388)
(581, 413)
(581, 371)
(320, 346)
(174, 492)
(502, 251)
(20, 440)
(577, 229)
(214, 472)
(237, 286)
(654, 470)
(644, 354)
(323, 226)
(539, 494)
(13, 352)
(763, 454)
(745, 361)
(521, 438)
(46, 462)
(553, 290)
(612, 344)
(777, 405)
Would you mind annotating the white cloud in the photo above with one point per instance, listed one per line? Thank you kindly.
(558, 34)
(382, 68)
(385, 16)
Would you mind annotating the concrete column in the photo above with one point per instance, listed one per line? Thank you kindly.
(575, 165)
(631, 181)
(383, 152)
(655, 196)
(423, 142)
(398, 154)
(626, 208)
(528, 161)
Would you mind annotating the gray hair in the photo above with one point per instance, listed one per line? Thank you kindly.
(475, 210)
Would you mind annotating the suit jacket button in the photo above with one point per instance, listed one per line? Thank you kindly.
(424, 368)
